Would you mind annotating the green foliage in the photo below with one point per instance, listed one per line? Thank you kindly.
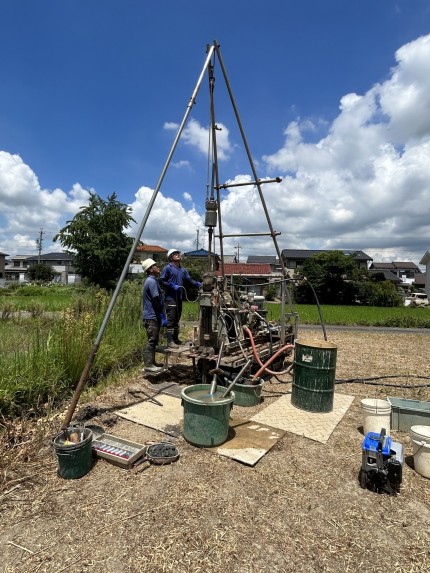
(53, 297)
(31, 291)
(42, 357)
(97, 235)
(272, 292)
(41, 272)
(373, 291)
(334, 278)
(329, 275)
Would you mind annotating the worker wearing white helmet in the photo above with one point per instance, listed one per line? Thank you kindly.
(153, 315)
(173, 279)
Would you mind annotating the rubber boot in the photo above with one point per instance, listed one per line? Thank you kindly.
(170, 342)
(157, 364)
(176, 337)
(148, 361)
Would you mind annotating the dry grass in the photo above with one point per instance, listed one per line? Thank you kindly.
(299, 509)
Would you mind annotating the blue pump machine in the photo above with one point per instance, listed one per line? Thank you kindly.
(382, 463)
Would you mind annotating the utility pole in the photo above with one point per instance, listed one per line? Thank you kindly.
(39, 243)
(238, 250)
(197, 240)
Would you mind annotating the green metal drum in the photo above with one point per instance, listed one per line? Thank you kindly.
(314, 375)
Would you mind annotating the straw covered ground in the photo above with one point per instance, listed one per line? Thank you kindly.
(300, 508)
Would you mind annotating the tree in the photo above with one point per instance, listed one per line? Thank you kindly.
(376, 290)
(336, 279)
(41, 272)
(331, 275)
(97, 235)
(272, 291)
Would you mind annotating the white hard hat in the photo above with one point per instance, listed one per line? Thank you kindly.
(171, 251)
(147, 264)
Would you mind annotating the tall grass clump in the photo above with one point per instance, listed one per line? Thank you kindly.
(42, 357)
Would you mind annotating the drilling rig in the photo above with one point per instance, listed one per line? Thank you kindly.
(233, 330)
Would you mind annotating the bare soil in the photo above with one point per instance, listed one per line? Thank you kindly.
(300, 508)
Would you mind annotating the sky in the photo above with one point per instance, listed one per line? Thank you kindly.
(333, 97)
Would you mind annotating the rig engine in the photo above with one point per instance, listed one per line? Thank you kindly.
(233, 329)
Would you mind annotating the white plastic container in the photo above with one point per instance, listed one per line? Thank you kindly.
(420, 436)
(376, 415)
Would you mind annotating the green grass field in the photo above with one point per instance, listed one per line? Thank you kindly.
(400, 317)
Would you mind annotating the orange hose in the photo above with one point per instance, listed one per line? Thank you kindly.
(271, 359)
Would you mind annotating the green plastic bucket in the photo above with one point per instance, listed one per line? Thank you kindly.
(314, 375)
(74, 460)
(247, 394)
(206, 423)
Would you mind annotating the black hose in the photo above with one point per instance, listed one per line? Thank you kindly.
(319, 309)
(372, 381)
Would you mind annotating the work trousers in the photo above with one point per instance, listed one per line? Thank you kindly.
(173, 315)
(152, 328)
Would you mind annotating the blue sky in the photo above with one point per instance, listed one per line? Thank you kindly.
(333, 95)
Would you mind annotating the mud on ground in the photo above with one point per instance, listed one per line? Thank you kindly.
(299, 509)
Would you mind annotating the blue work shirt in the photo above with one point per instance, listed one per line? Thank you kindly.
(171, 274)
(152, 299)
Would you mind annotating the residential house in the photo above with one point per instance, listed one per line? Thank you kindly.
(426, 261)
(154, 252)
(407, 272)
(271, 260)
(143, 252)
(230, 259)
(202, 255)
(420, 281)
(61, 263)
(16, 268)
(388, 276)
(253, 277)
(404, 270)
(295, 258)
(2, 266)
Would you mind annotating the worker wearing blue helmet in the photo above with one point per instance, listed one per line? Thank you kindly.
(173, 278)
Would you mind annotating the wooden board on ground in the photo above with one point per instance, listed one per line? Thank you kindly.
(166, 418)
(248, 442)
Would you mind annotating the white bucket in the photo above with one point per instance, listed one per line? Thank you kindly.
(377, 415)
(421, 445)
